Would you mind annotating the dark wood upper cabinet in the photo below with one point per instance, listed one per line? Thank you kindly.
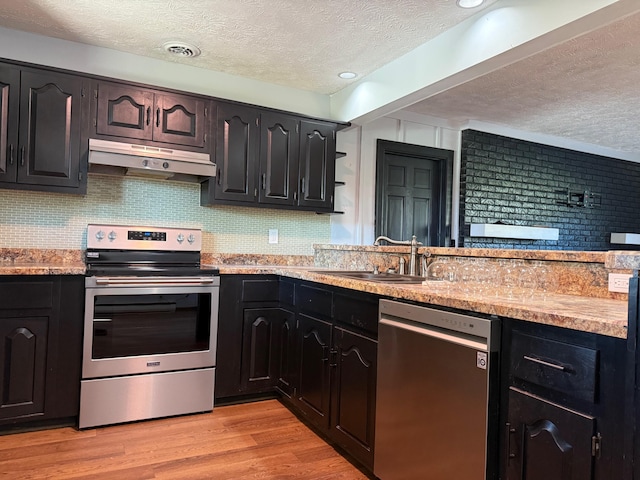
(279, 149)
(124, 112)
(9, 101)
(180, 120)
(142, 114)
(41, 116)
(317, 165)
(265, 158)
(50, 126)
(272, 159)
(236, 154)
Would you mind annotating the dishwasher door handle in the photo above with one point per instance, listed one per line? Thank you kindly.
(446, 335)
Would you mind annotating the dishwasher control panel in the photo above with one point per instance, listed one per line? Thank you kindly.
(486, 329)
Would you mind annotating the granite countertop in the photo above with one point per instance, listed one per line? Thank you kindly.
(42, 268)
(588, 314)
(596, 315)
(26, 261)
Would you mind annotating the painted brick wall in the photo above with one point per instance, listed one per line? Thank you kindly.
(520, 183)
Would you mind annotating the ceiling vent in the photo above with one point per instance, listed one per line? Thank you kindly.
(182, 49)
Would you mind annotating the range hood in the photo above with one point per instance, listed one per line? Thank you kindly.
(117, 158)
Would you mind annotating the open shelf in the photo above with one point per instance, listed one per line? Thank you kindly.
(626, 238)
(498, 230)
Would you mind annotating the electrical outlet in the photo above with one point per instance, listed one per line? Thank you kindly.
(273, 235)
(619, 282)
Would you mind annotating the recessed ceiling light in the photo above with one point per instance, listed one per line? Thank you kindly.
(181, 49)
(347, 75)
(469, 3)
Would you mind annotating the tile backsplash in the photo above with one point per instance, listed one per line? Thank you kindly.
(59, 221)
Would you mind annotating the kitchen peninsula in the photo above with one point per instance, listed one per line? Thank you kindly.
(591, 310)
(581, 316)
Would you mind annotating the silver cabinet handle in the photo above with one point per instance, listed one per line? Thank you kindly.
(546, 364)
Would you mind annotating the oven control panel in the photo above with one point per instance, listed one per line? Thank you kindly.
(122, 237)
(147, 235)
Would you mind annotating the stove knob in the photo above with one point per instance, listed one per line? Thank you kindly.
(112, 235)
(99, 235)
(191, 238)
(145, 163)
(180, 238)
(165, 165)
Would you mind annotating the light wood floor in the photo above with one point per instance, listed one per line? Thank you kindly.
(261, 440)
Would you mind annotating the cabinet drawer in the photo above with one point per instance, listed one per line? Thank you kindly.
(314, 300)
(558, 366)
(27, 295)
(260, 290)
(360, 311)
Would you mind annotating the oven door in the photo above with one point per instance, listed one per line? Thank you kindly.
(137, 325)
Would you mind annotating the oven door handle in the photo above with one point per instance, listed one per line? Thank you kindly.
(154, 280)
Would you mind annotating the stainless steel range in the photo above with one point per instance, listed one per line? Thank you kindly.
(151, 314)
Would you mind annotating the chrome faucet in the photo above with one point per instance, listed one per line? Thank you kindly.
(413, 259)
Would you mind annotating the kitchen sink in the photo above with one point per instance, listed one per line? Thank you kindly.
(373, 277)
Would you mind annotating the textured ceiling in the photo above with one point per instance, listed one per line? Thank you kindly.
(297, 43)
(587, 89)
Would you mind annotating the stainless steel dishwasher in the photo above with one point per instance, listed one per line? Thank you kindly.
(437, 405)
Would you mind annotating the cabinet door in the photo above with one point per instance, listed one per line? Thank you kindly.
(546, 441)
(23, 353)
(236, 154)
(284, 351)
(258, 372)
(229, 342)
(65, 346)
(317, 165)
(314, 344)
(9, 98)
(180, 120)
(124, 112)
(279, 151)
(50, 124)
(353, 394)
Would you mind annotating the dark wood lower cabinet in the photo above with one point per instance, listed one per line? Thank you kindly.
(264, 352)
(562, 406)
(547, 441)
(353, 393)
(337, 365)
(40, 348)
(23, 349)
(314, 350)
(285, 352)
(313, 344)
(249, 325)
